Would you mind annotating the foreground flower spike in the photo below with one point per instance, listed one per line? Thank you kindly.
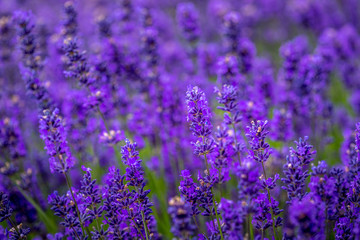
(260, 151)
(52, 131)
(135, 177)
(199, 117)
(91, 194)
(296, 169)
(228, 96)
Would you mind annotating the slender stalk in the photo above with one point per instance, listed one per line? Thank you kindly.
(73, 197)
(251, 231)
(77, 235)
(97, 221)
(145, 225)
(14, 225)
(236, 143)
(269, 198)
(197, 225)
(137, 228)
(217, 219)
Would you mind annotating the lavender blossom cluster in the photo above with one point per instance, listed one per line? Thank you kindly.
(202, 120)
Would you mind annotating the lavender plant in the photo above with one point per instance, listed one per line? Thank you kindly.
(176, 120)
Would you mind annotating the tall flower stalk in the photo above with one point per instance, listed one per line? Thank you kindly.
(199, 117)
(260, 151)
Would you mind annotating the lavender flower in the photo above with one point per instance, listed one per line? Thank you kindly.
(296, 169)
(53, 133)
(260, 150)
(188, 191)
(78, 67)
(199, 117)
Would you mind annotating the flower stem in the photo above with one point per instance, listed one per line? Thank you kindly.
(217, 219)
(235, 139)
(269, 198)
(14, 225)
(73, 197)
(251, 231)
(145, 225)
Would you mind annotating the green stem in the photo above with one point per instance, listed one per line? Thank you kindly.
(73, 197)
(97, 221)
(251, 228)
(235, 139)
(198, 227)
(217, 219)
(14, 225)
(269, 198)
(145, 225)
(137, 228)
(77, 235)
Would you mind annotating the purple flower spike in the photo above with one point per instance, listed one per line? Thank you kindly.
(257, 132)
(52, 131)
(199, 117)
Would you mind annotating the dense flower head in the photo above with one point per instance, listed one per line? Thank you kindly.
(21, 232)
(233, 218)
(188, 191)
(263, 219)
(296, 169)
(199, 117)
(257, 132)
(228, 96)
(52, 131)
